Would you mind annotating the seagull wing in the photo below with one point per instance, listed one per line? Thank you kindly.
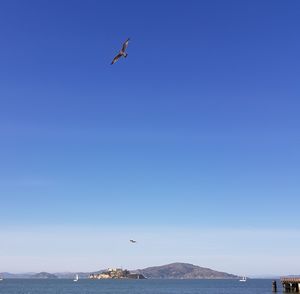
(125, 45)
(116, 58)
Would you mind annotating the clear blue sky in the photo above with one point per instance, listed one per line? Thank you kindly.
(198, 128)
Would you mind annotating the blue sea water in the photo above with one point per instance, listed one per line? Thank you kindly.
(22, 286)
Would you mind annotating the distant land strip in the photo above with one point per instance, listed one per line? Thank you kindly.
(176, 270)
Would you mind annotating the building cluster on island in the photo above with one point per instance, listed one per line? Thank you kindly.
(116, 273)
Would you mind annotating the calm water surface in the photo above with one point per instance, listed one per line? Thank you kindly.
(253, 286)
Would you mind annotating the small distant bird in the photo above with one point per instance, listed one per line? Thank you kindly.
(122, 52)
(132, 241)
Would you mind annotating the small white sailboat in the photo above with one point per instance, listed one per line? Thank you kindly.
(243, 279)
(1, 278)
(76, 278)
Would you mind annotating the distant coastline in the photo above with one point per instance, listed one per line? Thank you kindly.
(169, 271)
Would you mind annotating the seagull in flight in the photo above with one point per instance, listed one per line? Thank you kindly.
(122, 52)
(132, 241)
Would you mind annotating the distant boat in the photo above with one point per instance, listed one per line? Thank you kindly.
(243, 279)
(1, 278)
(76, 278)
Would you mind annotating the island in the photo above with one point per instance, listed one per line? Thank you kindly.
(116, 273)
(44, 275)
(179, 270)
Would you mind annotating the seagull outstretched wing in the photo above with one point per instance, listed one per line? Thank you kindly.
(125, 45)
(117, 57)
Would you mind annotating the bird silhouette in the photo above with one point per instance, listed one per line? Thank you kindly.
(121, 52)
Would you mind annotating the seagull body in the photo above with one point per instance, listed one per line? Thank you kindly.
(122, 52)
(132, 241)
